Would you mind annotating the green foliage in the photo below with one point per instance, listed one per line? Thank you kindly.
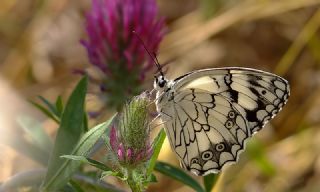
(69, 151)
(51, 107)
(59, 106)
(87, 160)
(157, 144)
(69, 133)
(53, 111)
(75, 186)
(258, 154)
(209, 181)
(82, 148)
(45, 111)
(179, 175)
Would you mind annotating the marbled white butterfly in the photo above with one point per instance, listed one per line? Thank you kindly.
(209, 114)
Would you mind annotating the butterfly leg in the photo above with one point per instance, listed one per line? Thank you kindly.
(152, 122)
(157, 117)
(154, 119)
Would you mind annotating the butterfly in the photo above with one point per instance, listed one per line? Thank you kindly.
(209, 114)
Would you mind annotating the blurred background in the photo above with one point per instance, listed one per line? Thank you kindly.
(40, 49)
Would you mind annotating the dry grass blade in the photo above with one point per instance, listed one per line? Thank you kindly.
(306, 34)
(180, 41)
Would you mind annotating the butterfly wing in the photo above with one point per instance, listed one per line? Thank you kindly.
(213, 112)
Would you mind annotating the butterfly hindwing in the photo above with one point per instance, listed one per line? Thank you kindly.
(212, 134)
(211, 113)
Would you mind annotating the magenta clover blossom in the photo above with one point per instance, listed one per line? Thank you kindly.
(115, 50)
(127, 155)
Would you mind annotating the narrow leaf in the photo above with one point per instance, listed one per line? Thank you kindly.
(157, 144)
(76, 187)
(95, 184)
(209, 181)
(68, 167)
(178, 175)
(45, 111)
(69, 133)
(85, 122)
(87, 160)
(152, 179)
(112, 173)
(50, 106)
(59, 106)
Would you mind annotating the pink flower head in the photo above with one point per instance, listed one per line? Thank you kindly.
(129, 139)
(114, 48)
(126, 154)
(130, 154)
(113, 138)
(121, 152)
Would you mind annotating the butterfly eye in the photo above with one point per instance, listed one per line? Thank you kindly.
(162, 83)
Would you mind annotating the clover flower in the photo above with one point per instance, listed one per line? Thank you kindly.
(130, 138)
(129, 144)
(115, 50)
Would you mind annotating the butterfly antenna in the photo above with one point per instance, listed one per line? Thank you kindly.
(158, 64)
(153, 57)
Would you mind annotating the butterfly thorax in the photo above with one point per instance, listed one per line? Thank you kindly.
(165, 91)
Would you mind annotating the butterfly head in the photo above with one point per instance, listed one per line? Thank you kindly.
(160, 82)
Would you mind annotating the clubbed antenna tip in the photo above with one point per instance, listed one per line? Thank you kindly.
(153, 57)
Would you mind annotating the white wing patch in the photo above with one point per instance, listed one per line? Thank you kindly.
(211, 113)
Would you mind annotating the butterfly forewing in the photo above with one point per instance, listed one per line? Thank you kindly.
(210, 113)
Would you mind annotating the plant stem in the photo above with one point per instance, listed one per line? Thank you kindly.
(135, 187)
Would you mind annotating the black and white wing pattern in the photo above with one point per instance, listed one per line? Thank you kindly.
(209, 114)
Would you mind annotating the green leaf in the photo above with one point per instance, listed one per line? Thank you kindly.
(45, 111)
(68, 167)
(113, 173)
(93, 183)
(108, 173)
(67, 188)
(69, 133)
(85, 122)
(209, 181)
(157, 144)
(59, 106)
(87, 160)
(76, 187)
(50, 106)
(179, 175)
(152, 179)
(257, 152)
(35, 133)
